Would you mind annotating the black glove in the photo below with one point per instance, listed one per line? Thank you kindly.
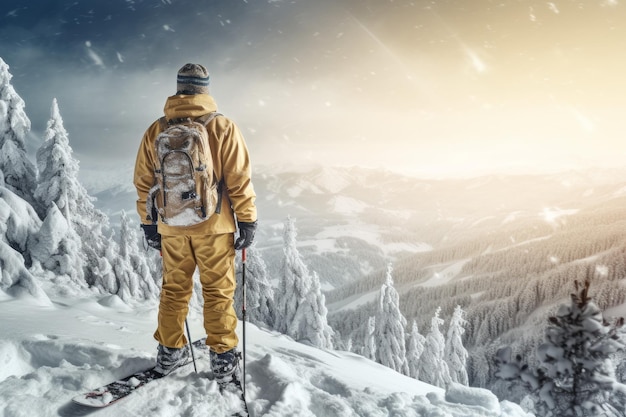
(246, 234)
(152, 236)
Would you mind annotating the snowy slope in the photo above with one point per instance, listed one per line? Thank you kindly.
(49, 352)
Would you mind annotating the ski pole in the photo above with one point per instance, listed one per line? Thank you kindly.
(243, 313)
(193, 356)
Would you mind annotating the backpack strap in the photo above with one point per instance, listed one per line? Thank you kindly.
(204, 120)
(164, 123)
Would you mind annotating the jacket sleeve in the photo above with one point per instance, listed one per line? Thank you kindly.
(144, 170)
(237, 173)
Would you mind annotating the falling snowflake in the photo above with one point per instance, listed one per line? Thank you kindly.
(602, 270)
(553, 8)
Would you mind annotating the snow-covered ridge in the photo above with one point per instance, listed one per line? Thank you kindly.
(50, 353)
(97, 179)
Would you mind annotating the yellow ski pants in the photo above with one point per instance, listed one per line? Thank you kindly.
(214, 255)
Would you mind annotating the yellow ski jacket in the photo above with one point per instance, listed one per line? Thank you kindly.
(230, 161)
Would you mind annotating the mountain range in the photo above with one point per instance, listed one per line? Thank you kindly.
(364, 218)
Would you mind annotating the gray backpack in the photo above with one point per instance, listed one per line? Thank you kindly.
(186, 190)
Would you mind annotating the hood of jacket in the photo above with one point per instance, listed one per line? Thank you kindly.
(182, 106)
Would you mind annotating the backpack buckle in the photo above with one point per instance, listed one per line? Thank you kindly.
(188, 195)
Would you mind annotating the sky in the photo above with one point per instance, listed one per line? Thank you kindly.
(435, 88)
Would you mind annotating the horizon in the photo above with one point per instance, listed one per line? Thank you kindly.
(91, 178)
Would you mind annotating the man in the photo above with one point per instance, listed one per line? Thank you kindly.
(209, 245)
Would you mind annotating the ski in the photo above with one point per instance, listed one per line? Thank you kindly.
(244, 405)
(238, 391)
(111, 393)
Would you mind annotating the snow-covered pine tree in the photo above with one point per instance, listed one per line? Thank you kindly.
(576, 358)
(369, 348)
(58, 170)
(135, 279)
(105, 280)
(339, 343)
(620, 358)
(56, 248)
(310, 324)
(575, 375)
(20, 174)
(390, 325)
(414, 350)
(433, 368)
(18, 224)
(301, 310)
(294, 280)
(59, 184)
(260, 305)
(455, 353)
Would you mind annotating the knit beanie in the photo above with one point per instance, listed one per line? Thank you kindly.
(192, 79)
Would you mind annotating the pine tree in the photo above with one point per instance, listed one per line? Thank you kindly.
(59, 184)
(455, 353)
(295, 281)
(135, 279)
(19, 172)
(18, 225)
(369, 348)
(576, 358)
(414, 350)
(301, 309)
(105, 280)
(390, 324)
(310, 323)
(260, 305)
(433, 368)
(575, 375)
(58, 169)
(56, 248)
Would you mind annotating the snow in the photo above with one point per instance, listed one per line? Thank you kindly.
(616, 311)
(331, 180)
(354, 301)
(477, 397)
(511, 217)
(116, 180)
(346, 205)
(554, 215)
(328, 180)
(447, 274)
(52, 352)
(325, 240)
